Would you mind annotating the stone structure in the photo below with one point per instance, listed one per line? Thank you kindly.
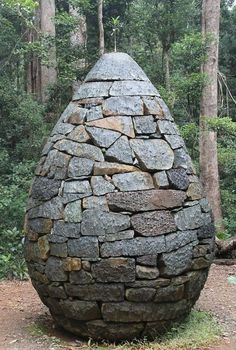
(119, 236)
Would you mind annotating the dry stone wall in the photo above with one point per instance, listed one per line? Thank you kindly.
(119, 237)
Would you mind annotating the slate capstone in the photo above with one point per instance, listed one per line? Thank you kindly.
(119, 236)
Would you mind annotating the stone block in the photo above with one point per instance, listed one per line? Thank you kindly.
(58, 249)
(102, 137)
(72, 264)
(134, 181)
(144, 125)
(101, 186)
(94, 113)
(167, 127)
(147, 260)
(177, 262)
(96, 291)
(122, 124)
(152, 106)
(160, 155)
(81, 277)
(80, 167)
(195, 191)
(80, 310)
(82, 150)
(79, 134)
(73, 212)
(73, 114)
(107, 168)
(44, 247)
(117, 236)
(92, 89)
(179, 239)
(135, 247)
(114, 270)
(84, 247)
(189, 218)
(52, 209)
(140, 295)
(123, 105)
(44, 189)
(178, 178)
(175, 141)
(153, 223)
(133, 88)
(170, 293)
(148, 273)
(99, 223)
(54, 270)
(94, 202)
(120, 151)
(145, 200)
(160, 179)
(70, 230)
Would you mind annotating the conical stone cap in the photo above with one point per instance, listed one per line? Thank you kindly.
(119, 236)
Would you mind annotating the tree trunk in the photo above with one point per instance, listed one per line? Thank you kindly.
(101, 28)
(208, 139)
(166, 67)
(79, 38)
(47, 25)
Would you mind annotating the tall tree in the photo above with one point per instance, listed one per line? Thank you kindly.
(47, 24)
(101, 28)
(209, 109)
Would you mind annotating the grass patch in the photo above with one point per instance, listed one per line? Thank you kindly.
(198, 331)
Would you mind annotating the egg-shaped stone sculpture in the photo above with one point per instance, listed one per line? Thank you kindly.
(119, 236)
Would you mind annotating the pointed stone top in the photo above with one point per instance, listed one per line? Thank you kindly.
(116, 66)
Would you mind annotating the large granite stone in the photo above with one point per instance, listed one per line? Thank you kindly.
(101, 186)
(133, 88)
(152, 106)
(44, 189)
(55, 165)
(70, 230)
(94, 202)
(120, 151)
(160, 179)
(107, 168)
(175, 141)
(73, 212)
(133, 181)
(144, 125)
(140, 295)
(80, 167)
(177, 262)
(92, 89)
(52, 209)
(123, 105)
(73, 114)
(189, 218)
(116, 66)
(98, 223)
(118, 236)
(179, 239)
(135, 247)
(183, 160)
(80, 150)
(121, 124)
(80, 310)
(94, 113)
(102, 137)
(114, 270)
(81, 188)
(79, 134)
(145, 200)
(167, 127)
(147, 273)
(153, 223)
(54, 270)
(153, 154)
(169, 294)
(84, 247)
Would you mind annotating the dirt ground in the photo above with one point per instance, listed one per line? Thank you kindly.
(24, 319)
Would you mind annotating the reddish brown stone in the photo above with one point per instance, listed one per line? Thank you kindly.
(153, 223)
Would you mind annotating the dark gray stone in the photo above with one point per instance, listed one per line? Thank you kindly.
(80, 150)
(133, 181)
(123, 105)
(92, 89)
(177, 262)
(94, 113)
(140, 295)
(96, 291)
(169, 294)
(117, 236)
(146, 273)
(54, 238)
(55, 165)
(56, 291)
(71, 111)
(183, 160)
(165, 109)
(80, 167)
(80, 188)
(40, 225)
(145, 200)
(196, 282)
(147, 260)
(103, 137)
(157, 283)
(189, 218)
(44, 189)
(98, 223)
(178, 178)
(73, 212)
(153, 223)
(54, 270)
(206, 231)
(116, 66)
(62, 128)
(153, 154)
(120, 151)
(144, 125)
(204, 205)
(84, 247)
(101, 186)
(65, 229)
(81, 277)
(179, 239)
(58, 249)
(114, 270)
(52, 209)
(80, 310)
(138, 312)
(133, 88)
(134, 247)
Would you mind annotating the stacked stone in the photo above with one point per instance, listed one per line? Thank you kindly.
(119, 235)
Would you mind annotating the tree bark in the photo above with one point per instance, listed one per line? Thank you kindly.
(166, 66)
(101, 28)
(47, 25)
(208, 139)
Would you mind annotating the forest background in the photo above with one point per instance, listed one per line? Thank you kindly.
(45, 47)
